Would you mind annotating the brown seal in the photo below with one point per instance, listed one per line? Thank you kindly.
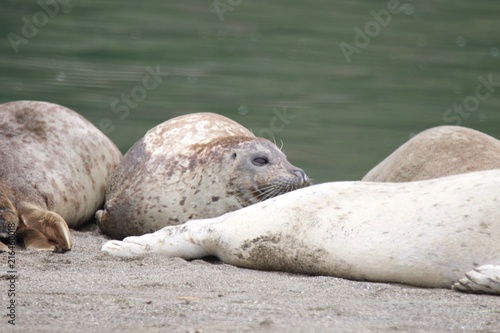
(438, 152)
(199, 165)
(54, 166)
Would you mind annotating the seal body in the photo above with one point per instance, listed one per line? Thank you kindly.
(195, 166)
(438, 152)
(54, 166)
(425, 233)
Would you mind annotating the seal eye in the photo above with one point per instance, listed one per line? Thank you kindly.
(234, 155)
(260, 161)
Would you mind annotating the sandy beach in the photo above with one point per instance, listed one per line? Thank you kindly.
(85, 290)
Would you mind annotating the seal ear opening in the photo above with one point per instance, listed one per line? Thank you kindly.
(234, 155)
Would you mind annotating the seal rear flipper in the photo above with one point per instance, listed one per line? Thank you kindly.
(35, 240)
(49, 224)
(9, 220)
(483, 280)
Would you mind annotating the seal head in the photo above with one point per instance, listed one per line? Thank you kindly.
(259, 170)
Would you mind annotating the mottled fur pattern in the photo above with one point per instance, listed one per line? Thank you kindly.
(194, 166)
(55, 162)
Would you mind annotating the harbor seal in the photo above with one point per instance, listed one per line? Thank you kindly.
(194, 166)
(438, 152)
(425, 233)
(54, 165)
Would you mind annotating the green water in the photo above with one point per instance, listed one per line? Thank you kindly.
(264, 60)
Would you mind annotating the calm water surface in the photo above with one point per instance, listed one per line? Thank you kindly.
(342, 84)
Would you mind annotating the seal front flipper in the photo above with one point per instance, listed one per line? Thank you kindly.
(124, 249)
(483, 279)
(183, 241)
(48, 223)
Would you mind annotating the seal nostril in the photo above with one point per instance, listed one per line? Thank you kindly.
(301, 174)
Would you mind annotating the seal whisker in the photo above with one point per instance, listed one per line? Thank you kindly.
(275, 192)
(262, 194)
(271, 191)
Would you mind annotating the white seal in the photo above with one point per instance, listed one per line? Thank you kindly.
(438, 152)
(426, 233)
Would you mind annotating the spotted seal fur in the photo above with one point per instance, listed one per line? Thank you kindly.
(198, 165)
(54, 166)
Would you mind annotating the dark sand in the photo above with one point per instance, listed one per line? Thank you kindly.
(85, 290)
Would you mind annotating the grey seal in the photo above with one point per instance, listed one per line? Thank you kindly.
(54, 167)
(438, 152)
(198, 165)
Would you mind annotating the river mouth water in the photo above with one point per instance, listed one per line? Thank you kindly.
(340, 84)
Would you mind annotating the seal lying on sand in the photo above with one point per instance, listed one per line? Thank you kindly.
(54, 165)
(426, 233)
(438, 152)
(195, 166)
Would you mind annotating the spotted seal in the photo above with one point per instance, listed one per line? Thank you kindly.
(198, 165)
(54, 166)
(437, 152)
(424, 233)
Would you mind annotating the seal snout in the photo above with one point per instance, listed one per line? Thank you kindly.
(304, 180)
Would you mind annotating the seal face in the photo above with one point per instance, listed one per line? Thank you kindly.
(54, 166)
(426, 233)
(438, 152)
(194, 166)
